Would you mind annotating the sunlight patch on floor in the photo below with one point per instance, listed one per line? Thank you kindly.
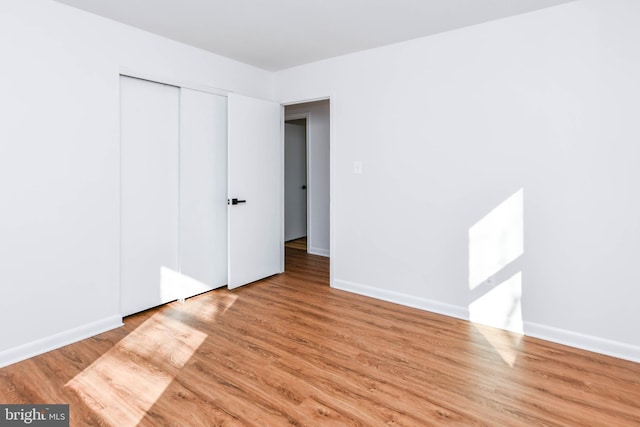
(505, 343)
(210, 312)
(124, 383)
(496, 240)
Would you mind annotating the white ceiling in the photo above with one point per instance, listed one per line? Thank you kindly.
(277, 34)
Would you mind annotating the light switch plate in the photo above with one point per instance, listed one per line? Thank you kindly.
(357, 167)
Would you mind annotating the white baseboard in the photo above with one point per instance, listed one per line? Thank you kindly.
(403, 299)
(547, 333)
(318, 251)
(583, 342)
(35, 348)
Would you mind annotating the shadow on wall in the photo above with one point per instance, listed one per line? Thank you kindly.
(496, 242)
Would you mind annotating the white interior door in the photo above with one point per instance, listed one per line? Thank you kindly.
(149, 192)
(203, 192)
(255, 180)
(295, 179)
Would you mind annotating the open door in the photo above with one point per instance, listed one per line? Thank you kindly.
(255, 183)
(295, 179)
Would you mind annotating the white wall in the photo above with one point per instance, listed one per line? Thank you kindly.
(319, 132)
(447, 128)
(59, 163)
(538, 111)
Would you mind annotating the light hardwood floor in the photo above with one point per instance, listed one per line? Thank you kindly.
(289, 350)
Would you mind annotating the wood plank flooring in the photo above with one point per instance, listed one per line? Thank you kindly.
(300, 243)
(289, 350)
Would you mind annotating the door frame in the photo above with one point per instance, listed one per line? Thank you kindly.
(305, 116)
(164, 79)
(332, 145)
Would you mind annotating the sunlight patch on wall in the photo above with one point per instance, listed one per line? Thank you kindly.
(496, 240)
(500, 307)
(175, 285)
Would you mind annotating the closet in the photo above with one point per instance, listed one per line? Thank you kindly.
(173, 193)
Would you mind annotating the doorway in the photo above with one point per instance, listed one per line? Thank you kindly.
(307, 182)
(295, 183)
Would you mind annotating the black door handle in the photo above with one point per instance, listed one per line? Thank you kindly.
(304, 187)
(236, 201)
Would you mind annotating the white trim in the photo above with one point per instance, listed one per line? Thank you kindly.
(282, 166)
(332, 169)
(583, 341)
(559, 336)
(307, 117)
(119, 148)
(61, 339)
(403, 299)
(310, 189)
(296, 116)
(306, 101)
(157, 78)
(318, 251)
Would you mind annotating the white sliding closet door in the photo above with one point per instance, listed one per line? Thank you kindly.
(203, 191)
(149, 193)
